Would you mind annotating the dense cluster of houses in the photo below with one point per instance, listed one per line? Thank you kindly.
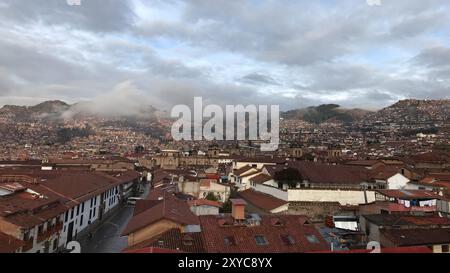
(275, 204)
(221, 203)
(42, 209)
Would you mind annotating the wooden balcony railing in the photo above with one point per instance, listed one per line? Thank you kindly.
(50, 231)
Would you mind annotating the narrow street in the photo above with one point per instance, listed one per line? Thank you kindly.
(107, 237)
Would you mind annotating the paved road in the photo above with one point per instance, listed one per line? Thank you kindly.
(106, 238)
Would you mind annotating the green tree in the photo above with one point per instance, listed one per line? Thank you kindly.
(289, 176)
(226, 207)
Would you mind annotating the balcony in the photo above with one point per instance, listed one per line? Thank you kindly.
(50, 231)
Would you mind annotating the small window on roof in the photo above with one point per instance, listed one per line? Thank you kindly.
(188, 240)
(312, 239)
(287, 239)
(261, 240)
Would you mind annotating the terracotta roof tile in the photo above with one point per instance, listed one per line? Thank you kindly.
(170, 208)
(241, 239)
(173, 240)
(261, 178)
(262, 200)
(9, 244)
(417, 236)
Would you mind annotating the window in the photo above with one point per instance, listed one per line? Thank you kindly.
(81, 220)
(71, 213)
(40, 229)
(287, 239)
(26, 236)
(50, 225)
(445, 248)
(261, 240)
(312, 239)
(230, 241)
(78, 210)
(188, 240)
(66, 216)
(82, 208)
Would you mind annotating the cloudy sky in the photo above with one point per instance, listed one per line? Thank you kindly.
(293, 53)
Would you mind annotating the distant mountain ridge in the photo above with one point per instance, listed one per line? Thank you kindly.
(56, 110)
(412, 110)
(405, 110)
(44, 110)
(324, 113)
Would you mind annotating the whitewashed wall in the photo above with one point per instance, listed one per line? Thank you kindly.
(343, 197)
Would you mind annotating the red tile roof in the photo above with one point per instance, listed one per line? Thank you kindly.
(173, 240)
(366, 163)
(417, 236)
(160, 192)
(170, 208)
(261, 200)
(261, 178)
(203, 202)
(431, 157)
(384, 172)
(9, 244)
(330, 174)
(241, 239)
(267, 159)
(51, 192)
(143, 205)
(407, 220)
(242, 170)
(409, 194)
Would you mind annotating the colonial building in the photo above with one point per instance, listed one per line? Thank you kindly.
(47, 209)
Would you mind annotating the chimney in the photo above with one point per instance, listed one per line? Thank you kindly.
(238, 209)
